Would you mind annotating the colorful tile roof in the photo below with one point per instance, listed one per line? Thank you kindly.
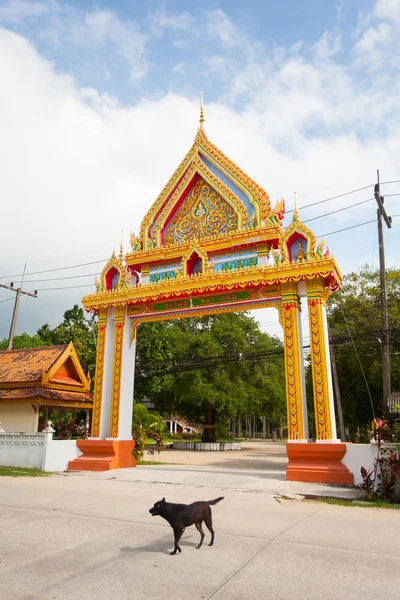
(27, 364)
(49, 375)
(45, 396)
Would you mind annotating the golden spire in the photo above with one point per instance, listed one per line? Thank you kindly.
(121, 247)
(201, 112)
(296, 208)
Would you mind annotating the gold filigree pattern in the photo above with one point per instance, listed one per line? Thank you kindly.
(290, 307)
(98, 382)
(116, 381)
(316, 300)
(256, 195)
(259, 194)
(203, 213)
(296, 226)
(203, 283)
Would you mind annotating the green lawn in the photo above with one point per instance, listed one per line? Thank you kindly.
(21, 472)
(360, 503)
(168, 440)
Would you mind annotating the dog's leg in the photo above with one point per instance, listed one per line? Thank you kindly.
(177, 536)
(200, 530)
(208, 522)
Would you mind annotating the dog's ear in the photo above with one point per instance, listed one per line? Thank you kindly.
(163, 500)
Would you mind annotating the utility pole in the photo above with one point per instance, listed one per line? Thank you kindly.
(19, 291)
(385, 342)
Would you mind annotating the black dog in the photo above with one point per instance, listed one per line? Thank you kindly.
(180, 516)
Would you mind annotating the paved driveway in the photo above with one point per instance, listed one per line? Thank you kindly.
(90, 536)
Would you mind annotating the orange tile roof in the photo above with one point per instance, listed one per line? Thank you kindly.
(27, 364)
(40, 395)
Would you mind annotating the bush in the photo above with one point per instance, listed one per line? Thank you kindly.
(145, 424)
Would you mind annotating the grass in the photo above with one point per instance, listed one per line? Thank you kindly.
(360, 503)
(22, 472)
(149, 462)
(168, 440)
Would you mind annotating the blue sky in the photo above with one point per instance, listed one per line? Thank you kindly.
(99, 104)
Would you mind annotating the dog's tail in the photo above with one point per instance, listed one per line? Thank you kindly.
(216, 500)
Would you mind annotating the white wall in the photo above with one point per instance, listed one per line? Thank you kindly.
(58, 453)
(36, 451)
(19, 417)
(357, 456)
(21, 450)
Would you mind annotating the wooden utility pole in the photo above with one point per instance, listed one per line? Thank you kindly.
(18, 292)
(385, 341)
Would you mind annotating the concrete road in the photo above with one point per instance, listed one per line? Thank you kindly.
(90, 536)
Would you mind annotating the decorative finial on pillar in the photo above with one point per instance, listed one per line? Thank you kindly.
(121, 247)
(296, 208)
(201, 112)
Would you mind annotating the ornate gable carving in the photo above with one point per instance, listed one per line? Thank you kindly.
(203, 213)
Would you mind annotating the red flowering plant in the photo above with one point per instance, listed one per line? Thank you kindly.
(382, 480)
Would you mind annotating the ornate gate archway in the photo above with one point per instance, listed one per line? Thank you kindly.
(211, 243)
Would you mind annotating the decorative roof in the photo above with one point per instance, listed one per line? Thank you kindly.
(49, 372)
(205, 171)
(46, 396)
(211, 231)
(27, 364)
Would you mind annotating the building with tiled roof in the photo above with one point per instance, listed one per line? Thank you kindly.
(38, 378)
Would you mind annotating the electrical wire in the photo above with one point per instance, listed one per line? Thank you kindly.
(333, 198)
(346, 228)
(287, 212)
(333, 212)
(95, 262)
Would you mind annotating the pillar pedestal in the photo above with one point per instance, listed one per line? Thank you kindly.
(103, 455)
(317, 463)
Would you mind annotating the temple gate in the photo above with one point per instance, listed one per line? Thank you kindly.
(211, 243)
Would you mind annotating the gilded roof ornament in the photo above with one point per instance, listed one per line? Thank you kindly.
(121, 247)
(202, 119)
(296, 216)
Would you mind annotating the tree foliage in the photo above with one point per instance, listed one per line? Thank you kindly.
(75, 328)
(210, 369)
(354, 315)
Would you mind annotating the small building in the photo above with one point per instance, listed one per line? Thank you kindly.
(179, 425)
(34, 379)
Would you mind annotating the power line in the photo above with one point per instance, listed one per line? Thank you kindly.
(59, 278)
(333, 198)
(95, 262)
(287, 212)
(71, 287)
(345, 228)
(338, 210)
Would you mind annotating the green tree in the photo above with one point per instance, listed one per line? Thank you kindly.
(24, 341)
(210, 369)
(354, 312)
(79, 330)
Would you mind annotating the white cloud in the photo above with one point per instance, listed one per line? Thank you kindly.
(160, 21)
(17, 10)
(372, 38)
(78, 167)
(328, 45)
(180, 67)
(387, 9)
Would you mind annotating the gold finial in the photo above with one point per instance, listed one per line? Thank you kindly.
(201, 112)
(121, 247)
(296, 208)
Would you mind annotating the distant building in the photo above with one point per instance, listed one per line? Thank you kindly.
(33, 379)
